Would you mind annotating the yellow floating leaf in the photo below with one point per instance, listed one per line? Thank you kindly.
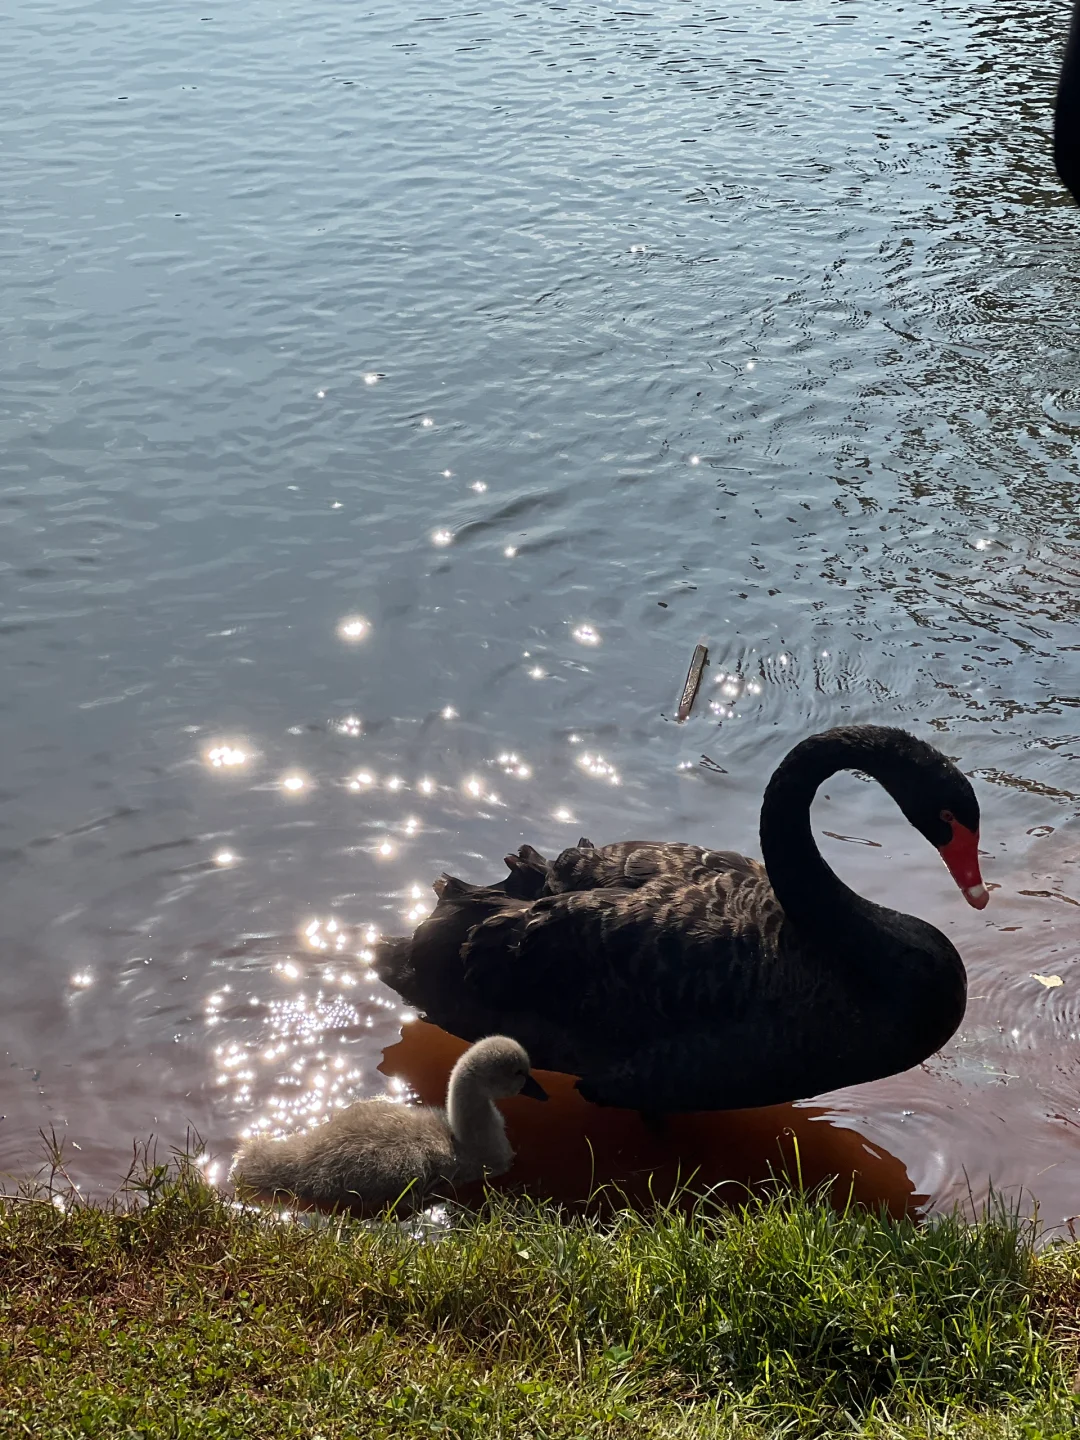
(1050, 981)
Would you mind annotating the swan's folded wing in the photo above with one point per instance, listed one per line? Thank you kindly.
(632, 958)
(629, 864)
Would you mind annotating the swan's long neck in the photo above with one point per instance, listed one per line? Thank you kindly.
(813, 897)
(900, 972)
(475, 1121)
(1067, 111)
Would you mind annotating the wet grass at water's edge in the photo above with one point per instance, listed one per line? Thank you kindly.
(172, 1312)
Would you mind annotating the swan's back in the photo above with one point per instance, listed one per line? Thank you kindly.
(371, 1153)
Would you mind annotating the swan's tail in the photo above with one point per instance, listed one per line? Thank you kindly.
(529, 872)
(393, 961)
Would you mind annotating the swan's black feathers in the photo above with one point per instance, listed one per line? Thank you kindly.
(1067, 111)
(634, 955)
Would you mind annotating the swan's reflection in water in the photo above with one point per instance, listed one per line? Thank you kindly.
(568, 1148)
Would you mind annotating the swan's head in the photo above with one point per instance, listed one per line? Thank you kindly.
(939, 801)
(500, 1067)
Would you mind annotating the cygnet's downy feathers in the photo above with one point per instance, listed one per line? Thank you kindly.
(378, 1153)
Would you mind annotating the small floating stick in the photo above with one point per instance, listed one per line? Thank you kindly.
(693, 680)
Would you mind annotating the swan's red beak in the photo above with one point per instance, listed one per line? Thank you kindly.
(961, 855)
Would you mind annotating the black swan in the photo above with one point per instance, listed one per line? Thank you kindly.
(1067, 111)
(670, 977)
(377, 1153)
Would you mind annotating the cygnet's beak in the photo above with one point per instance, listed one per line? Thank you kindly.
(533, 1089)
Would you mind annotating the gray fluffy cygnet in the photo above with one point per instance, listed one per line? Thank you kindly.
(378, 1153)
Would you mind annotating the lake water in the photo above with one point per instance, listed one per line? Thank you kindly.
(393, 396)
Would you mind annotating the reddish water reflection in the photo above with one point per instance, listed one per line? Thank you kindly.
(567, 1147)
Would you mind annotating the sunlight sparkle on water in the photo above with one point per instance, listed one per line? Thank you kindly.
(308, 1085)
(512, 765)
(563, 815)
(82, 980)
(442, 537)
(510, 551)
(598, 766)
(350, 725)
(478, 486)
(353, 627)
(210, 1168)
(224, 857)
(426, 787)
(226, 756)
(587, 635)
(314, 938)
(449, 713)
(293, 783)
(361, 780)
(372, 377)
(385, 849)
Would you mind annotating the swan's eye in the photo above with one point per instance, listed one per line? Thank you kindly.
(948, 817)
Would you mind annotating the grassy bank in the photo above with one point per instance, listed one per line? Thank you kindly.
(185, 1317)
